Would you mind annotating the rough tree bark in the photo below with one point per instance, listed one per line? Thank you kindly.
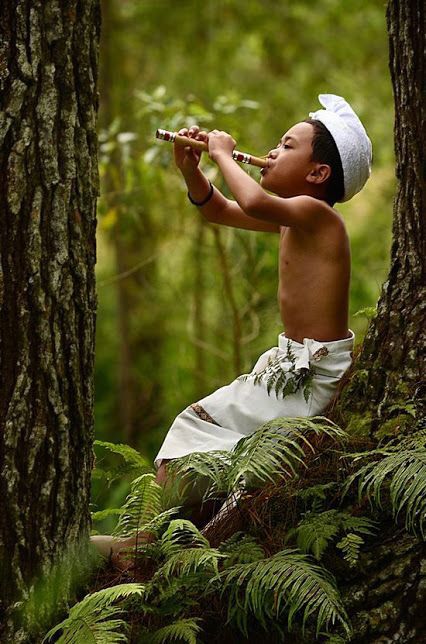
(386, 599)
(49, 186)
(393, 348)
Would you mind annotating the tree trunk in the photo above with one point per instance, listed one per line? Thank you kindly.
(49, 175)
(386, 599)
(391, 367)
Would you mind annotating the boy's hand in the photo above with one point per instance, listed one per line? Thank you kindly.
(220, 143)
(186, 158)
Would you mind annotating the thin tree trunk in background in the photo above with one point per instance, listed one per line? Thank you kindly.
(111, 61)
(49, 180)
(139, 321)
(200, 383)
(230, 296)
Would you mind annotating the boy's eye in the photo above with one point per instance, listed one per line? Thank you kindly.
(286, 146)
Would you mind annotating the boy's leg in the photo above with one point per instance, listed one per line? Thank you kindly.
(197, 511)
(108, 545)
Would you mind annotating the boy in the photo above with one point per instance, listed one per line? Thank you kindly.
(319, 161)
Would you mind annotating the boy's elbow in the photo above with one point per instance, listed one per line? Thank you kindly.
(255, 207)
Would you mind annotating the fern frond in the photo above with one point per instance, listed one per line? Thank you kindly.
(313, 497)
(316, 531)
(286, 580)
(351, 545)
(213, 465)
(134, 463)
(100, 515)
(182, 533)
(404, 473)
(129, 454)
(189, 561)
(264, 456)
(241, 548)
(141, 506)
(275, 449)
(157, 523)
(91, 620)
(186, 630)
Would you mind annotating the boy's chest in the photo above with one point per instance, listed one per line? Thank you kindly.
(293, 247)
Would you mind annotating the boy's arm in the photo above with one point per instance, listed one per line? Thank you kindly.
(220, 210)
(301, 211)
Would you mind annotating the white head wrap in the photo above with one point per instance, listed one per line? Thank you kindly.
(351, 140)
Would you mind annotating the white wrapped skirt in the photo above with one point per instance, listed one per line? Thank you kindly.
(292, 379)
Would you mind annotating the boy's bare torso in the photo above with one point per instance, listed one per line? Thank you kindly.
(314, 276)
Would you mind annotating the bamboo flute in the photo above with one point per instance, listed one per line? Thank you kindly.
(242, 157)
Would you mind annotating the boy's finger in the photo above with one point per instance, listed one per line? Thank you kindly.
(193, 130)
(183, 131)
(202, 136)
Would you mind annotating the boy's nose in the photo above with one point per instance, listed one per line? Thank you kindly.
(272, 154)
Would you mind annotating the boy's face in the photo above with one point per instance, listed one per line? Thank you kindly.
(290, 162)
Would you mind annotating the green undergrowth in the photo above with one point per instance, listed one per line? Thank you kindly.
(303, 505)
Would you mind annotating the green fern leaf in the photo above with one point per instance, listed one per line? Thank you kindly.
(133, 462)
(141, 506)
(241, 548)
(351, 545)
(100, 515)
(182, 533)
(185, 630)
(286, 580)
(315, 532)
(91, 620)
(129, 454)
(275, 450)
(189, 561)
(214, 466)
(403, 473)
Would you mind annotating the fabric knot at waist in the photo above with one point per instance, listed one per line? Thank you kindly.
(311, 350)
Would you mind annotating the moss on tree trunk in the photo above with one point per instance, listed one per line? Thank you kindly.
(49, 186)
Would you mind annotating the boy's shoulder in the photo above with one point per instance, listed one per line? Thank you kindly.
(320, 211)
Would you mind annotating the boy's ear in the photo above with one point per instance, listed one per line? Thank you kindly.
(319, 174)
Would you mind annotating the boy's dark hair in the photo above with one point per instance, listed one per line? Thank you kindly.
(324, 150)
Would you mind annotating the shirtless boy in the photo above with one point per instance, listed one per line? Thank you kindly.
(317, 162)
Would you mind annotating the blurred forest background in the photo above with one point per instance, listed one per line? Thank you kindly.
(184, 306)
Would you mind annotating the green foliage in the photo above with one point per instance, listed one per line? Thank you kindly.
(133, 462)
(94, 619)
(315, 532)
(282, 376)
(241, 548)
(277, 448)
(399, 468)
(351, 545)
(313, 497)
(185, 630)
(105, 514)
(287, 580)
(179, 534)
(141, 506)
(214, 466)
